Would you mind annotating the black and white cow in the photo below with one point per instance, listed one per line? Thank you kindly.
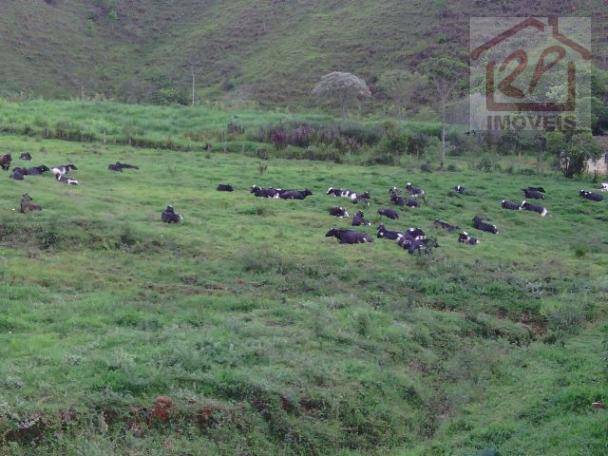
(37, 170)
(465, 238)
(383, 233)
(63, 170)
(225, 188)
(510, 205)
(390, 213)
(295, 194)
(412, 203)
(445, 225)
(419, 246)
(415, 234)
(604, 187)
(62, 178)
(337, 192)
(266, 192)
(338, 212)
(479, 224)
(414, 191)
(591, 196)
(355, 197)
(533, 193)
(118, 167)
(460, 189)
(5, 161)
(25, 156)
(349, 236)
(359, 219)
(396, 198)
(534, 208)
(170, 216)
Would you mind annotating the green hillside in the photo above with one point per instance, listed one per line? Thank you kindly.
(268, 51)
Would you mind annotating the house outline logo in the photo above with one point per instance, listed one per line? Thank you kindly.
(520, 55)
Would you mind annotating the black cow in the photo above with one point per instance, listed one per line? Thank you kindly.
(415, 234)
(26, 156)
(534, 208)
(465, 238)
(38, 170)
(170, 216)
(479, 224)
(359, 219)
(591, 196)
(445, 225)
(338, 212)
(18, 174)
(537, 189)
(27, 205)
(5, 161)
(390, 213)
(533, 193)
(396, 198)
(419, 246)
(510, 205)
(460, 189)
(412, 203)
(414, 191)
(295, 194)
(225, 188)
(118, 167)
(386, 234)
(349, 236)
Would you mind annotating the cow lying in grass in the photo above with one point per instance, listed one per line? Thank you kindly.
(460, 189)
(225, 188)
(294, 194)
(63, 170)
(414, 191)
(534, 208)
(269, 192)
(25, 156)
(591, 196)
(359, 219)
(27, 205)
(348, 236)
(355, 197)
(63, 179)
(479, 224)
(383, 233)
(534, 192)
(338, 212)
(419, 246)
(37, 170)
(170, 216)
(445, 225)
(465, 238)
(390, 213)
(396, 198)
(118, 167)
(5, 161)
(510, 205)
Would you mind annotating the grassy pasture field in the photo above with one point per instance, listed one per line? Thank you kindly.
(270, 338)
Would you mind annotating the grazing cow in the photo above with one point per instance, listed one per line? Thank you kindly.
(359, 219)
(465, 238)
(225, 188)
(63, 169)
(386, 234)
(390, 213)
(414, 191)
(419, 246)
(26, 156)
(66, 180)
(338, 212)
(591, 196)
(349, 236)
(479, 224)
(295, 194)
(170, 216)
(604, 187)
(118, 167)
(460, 189)
(533, 208)
(18, 174)
(37, 170)
(445, 225)
(5, 161)
(412, 203)
(533, 193)
(266, 192)
(510, 205)
(27, 205)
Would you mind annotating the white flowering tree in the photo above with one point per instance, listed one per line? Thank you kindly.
(344, 88)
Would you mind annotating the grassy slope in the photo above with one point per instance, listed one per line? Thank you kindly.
(272, 51)
(290, 342)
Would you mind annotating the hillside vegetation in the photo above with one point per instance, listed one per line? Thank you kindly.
(267, 338)
(268, 51)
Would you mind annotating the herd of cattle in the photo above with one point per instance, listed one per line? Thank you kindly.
(414, 240)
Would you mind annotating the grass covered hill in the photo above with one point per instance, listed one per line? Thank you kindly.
(268, 51)
(244, 330)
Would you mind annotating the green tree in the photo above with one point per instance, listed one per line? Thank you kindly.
(344, 88)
